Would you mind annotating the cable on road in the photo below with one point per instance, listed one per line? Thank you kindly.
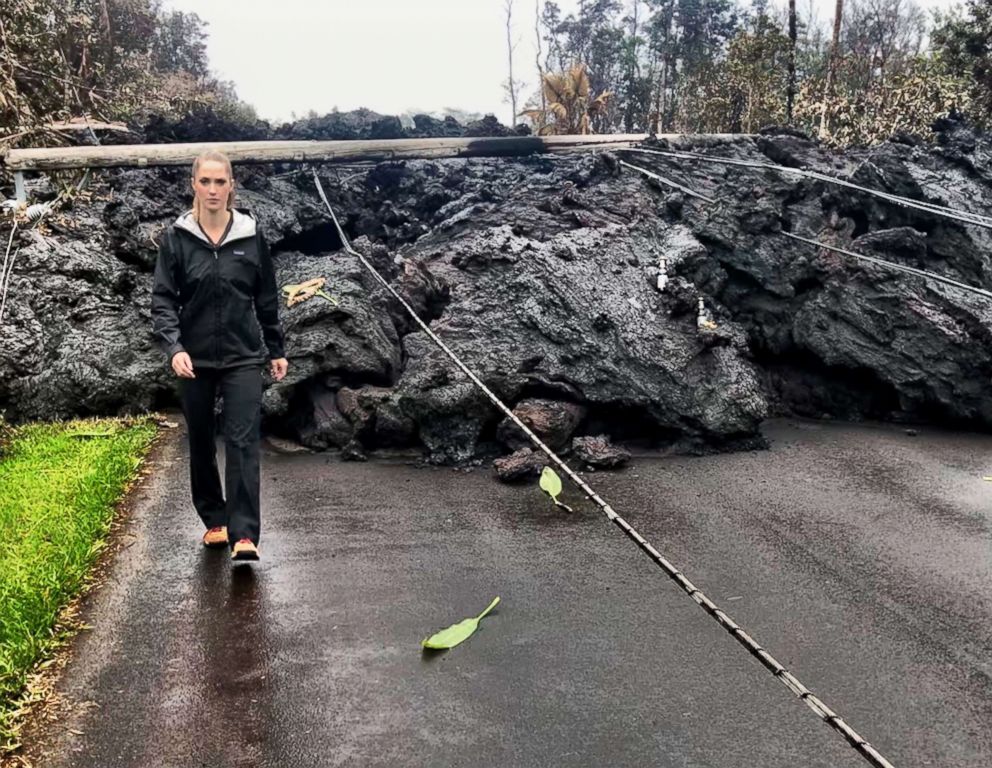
(966, 217)
(865, 749)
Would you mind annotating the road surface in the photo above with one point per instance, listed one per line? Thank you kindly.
(860, 556)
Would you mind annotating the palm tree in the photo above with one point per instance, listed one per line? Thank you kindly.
(569, 106)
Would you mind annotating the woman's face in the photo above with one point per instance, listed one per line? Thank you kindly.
(212, 185)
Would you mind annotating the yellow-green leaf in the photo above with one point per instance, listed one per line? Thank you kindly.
(551, 483)
(330, 298)
(456, 633)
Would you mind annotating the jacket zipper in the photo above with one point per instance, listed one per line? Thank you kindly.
(217, 325)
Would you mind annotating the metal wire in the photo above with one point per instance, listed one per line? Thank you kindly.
(892, 265)
(7, 269)
(865, 749)
(35, 213)
(871, 259)
(667, 182)
(966, 217)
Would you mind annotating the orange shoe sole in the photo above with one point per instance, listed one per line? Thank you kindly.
(215, 539)
(244, 551)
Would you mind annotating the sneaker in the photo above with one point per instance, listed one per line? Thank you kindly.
(216, 537)
(244, 549)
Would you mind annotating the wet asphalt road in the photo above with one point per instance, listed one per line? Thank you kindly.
(860, 556)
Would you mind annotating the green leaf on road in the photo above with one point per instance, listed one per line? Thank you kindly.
(456, 633)
(551, 485)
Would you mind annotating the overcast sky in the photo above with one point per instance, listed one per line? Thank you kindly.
(387, 55)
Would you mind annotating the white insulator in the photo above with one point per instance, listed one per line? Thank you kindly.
(36, 211)
(662, 273)
(701, 317)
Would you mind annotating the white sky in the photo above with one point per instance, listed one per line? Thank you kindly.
(388, 55)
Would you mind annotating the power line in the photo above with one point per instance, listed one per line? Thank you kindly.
(892, 265)
(668, 182)
(862, 257)
(966, 217)
(790, 681)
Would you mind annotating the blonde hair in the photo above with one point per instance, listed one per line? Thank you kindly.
(213, 155)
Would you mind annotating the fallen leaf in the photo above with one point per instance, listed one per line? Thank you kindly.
(551, 485)
(456, 633)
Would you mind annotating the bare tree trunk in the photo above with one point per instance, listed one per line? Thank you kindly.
(666, 63)
(105, 20)
(790, 89)
(510, 85)
(628, 113)
(668, 98)
(653, 117)
(828, 91)
(11, 80)
(537, 57)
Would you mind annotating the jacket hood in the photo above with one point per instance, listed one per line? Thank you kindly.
(243, 226)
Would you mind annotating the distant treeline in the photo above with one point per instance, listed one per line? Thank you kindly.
(723, 66)
(613, 65)
(108, 60)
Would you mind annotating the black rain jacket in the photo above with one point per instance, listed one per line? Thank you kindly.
(217, 303)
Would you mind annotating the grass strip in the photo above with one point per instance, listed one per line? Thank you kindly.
(60, 484)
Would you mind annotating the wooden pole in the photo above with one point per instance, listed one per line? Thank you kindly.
(140, 155)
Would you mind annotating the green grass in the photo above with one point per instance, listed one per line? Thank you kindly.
(59, 485)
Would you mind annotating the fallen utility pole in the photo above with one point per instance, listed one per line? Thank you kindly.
(141, 155)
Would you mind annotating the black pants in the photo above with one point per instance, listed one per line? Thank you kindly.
(241, 390)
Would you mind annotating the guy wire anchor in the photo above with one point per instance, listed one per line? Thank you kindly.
(704, 321)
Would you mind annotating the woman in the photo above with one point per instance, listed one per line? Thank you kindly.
(215, 313)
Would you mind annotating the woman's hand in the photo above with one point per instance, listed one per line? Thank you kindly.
(182, 365)
(279, 368)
